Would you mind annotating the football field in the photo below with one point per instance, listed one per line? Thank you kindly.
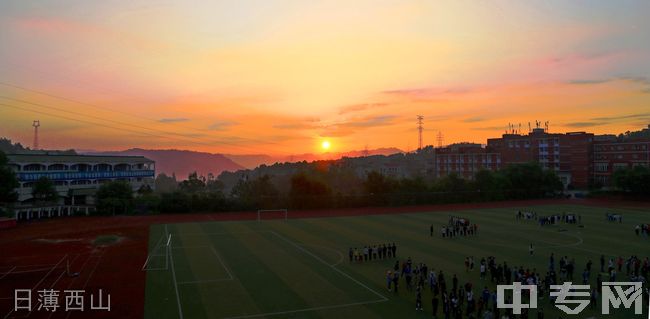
(299, 268)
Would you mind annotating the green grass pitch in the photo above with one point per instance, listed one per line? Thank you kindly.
(299, 268)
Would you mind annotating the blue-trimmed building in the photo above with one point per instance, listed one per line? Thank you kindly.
(77, 177)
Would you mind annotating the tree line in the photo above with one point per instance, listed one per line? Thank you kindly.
(315, 188)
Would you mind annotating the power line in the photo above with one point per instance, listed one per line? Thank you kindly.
(119, 112)
(121, 129)
(99, 118)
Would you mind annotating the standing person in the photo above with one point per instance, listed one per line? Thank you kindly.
(432, 282)
(395, 280)
(389, 279)
(482, 267)
(431, 231)
(434, 305)
(531, 249)
(365, 253)
(418, 300)
(350, 254)
(394, 248)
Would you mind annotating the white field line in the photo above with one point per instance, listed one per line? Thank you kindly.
(155, 248)
(267, 314)
(190, 246)
(206, 281)
(178, 297)
(221, 233)
(341, 257)
(92, 272)
(40, 281)
(8, 272)
(383, 298)
(176, 283)
(222, 264)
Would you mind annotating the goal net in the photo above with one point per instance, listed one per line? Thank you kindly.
(272, 214)
(158, 257)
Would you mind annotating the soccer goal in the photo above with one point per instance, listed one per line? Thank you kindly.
(273, 213)
(158, 258)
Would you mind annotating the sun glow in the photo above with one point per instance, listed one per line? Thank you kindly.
(325, 145)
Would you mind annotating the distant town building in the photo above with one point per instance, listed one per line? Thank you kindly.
(580, 159)
(611, 154)
(569, 155)
(465, 160)
(76, 179)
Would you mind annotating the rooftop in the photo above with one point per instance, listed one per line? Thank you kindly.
(24, 158)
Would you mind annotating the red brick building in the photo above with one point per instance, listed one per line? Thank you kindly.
(611, 153)
(464, 159)
(569, 155)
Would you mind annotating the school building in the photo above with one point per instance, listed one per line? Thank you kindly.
(611, 154)
(464, 160)
(76, 179)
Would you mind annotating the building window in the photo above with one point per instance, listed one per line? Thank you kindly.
(618, 166)
(601, 167)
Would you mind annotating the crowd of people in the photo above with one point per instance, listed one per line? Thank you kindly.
(567, 218)
(635, 268)
(612, 217)
(372, 252)
(453, 299)
(526, 215)
(457, 226)
(642, 230)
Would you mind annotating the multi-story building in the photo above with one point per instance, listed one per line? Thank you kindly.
(569, 155)
(76, 178)
(464, 159)
(611, 153)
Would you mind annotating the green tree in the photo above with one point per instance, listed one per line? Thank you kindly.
(8, 182)
(175, 202)
(378, 187)
(44, 190)
(412, 191)
(165, 184)
(193, 184)
(309, 192)
(634, 180)
(257, 193)
(115, 197)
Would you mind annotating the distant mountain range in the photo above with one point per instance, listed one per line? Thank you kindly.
(252, 161)
(182, 163)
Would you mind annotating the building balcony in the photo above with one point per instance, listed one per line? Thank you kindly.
(75, 175)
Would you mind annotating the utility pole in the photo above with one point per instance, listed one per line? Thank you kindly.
(36, 124)
(440, 139)
(420, 128)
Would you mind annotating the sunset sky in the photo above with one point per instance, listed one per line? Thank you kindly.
(280, 77)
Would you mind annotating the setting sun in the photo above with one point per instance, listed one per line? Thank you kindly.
(325, 145)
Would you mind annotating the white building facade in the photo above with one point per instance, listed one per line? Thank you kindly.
(76, 179)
